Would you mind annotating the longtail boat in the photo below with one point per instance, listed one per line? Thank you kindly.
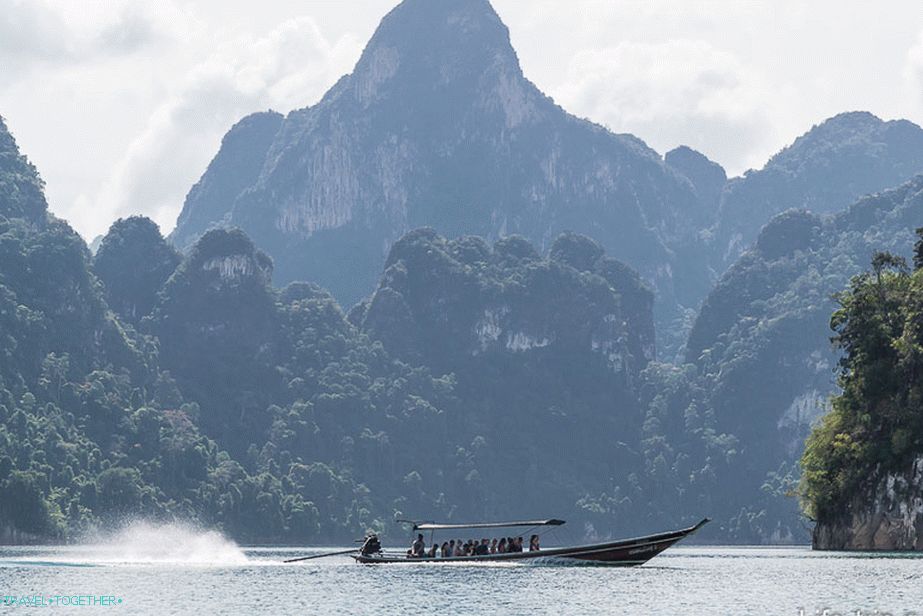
(622, 552)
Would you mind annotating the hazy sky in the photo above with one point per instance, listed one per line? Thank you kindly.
(121, 104)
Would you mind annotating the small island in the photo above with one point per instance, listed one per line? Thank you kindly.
(863, 464)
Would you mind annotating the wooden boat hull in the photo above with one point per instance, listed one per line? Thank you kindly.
(625, 552)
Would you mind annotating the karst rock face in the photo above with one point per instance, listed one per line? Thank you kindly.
(887, 516)
(438, 127)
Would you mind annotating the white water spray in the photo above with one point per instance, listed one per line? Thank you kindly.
(143, 542)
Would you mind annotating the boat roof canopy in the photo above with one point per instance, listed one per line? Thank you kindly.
(436, 526)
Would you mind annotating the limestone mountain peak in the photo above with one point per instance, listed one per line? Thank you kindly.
(428, 52)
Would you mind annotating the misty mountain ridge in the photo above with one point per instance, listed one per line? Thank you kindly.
(825, 170)
(437, 126)
(762, 337)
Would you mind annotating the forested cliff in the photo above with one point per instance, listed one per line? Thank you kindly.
(863, 465)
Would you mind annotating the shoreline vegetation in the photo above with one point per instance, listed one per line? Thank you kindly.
(862, 468)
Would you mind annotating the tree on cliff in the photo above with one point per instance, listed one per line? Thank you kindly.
(876, 423)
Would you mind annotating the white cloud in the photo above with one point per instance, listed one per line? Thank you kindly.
(913, 71)
(38, 33)
(291, 66)
(677, 92)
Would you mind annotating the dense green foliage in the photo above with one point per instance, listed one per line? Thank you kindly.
(287, 384)
(210, 395)
(761, 339)
(21, 189)
(82, 433)
(91, 427)
(133, 261)
(876, 422)
(538, 346)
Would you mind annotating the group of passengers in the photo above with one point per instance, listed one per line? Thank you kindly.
(472, 547)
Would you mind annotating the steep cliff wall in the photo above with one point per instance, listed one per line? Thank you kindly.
(887, 516)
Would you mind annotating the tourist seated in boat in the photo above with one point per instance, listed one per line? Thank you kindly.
(444, 550)
(483, 549)
(533, 544)
(418, 547)
(459, 548)
(501, 547)
(493, 546)
(433, 550)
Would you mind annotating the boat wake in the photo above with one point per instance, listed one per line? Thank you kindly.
(143, 542)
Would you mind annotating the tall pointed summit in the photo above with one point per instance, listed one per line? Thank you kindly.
(437, 126)
(433, 45)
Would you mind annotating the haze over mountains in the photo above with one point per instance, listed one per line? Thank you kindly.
(437, 126)
(501, 359)
(824, 171)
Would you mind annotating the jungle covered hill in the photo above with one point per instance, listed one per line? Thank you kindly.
(140, 382)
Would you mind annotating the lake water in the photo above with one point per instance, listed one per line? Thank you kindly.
(182, 572)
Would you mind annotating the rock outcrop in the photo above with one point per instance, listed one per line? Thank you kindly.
(888, 516)
(235, 167)
(447, 302)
